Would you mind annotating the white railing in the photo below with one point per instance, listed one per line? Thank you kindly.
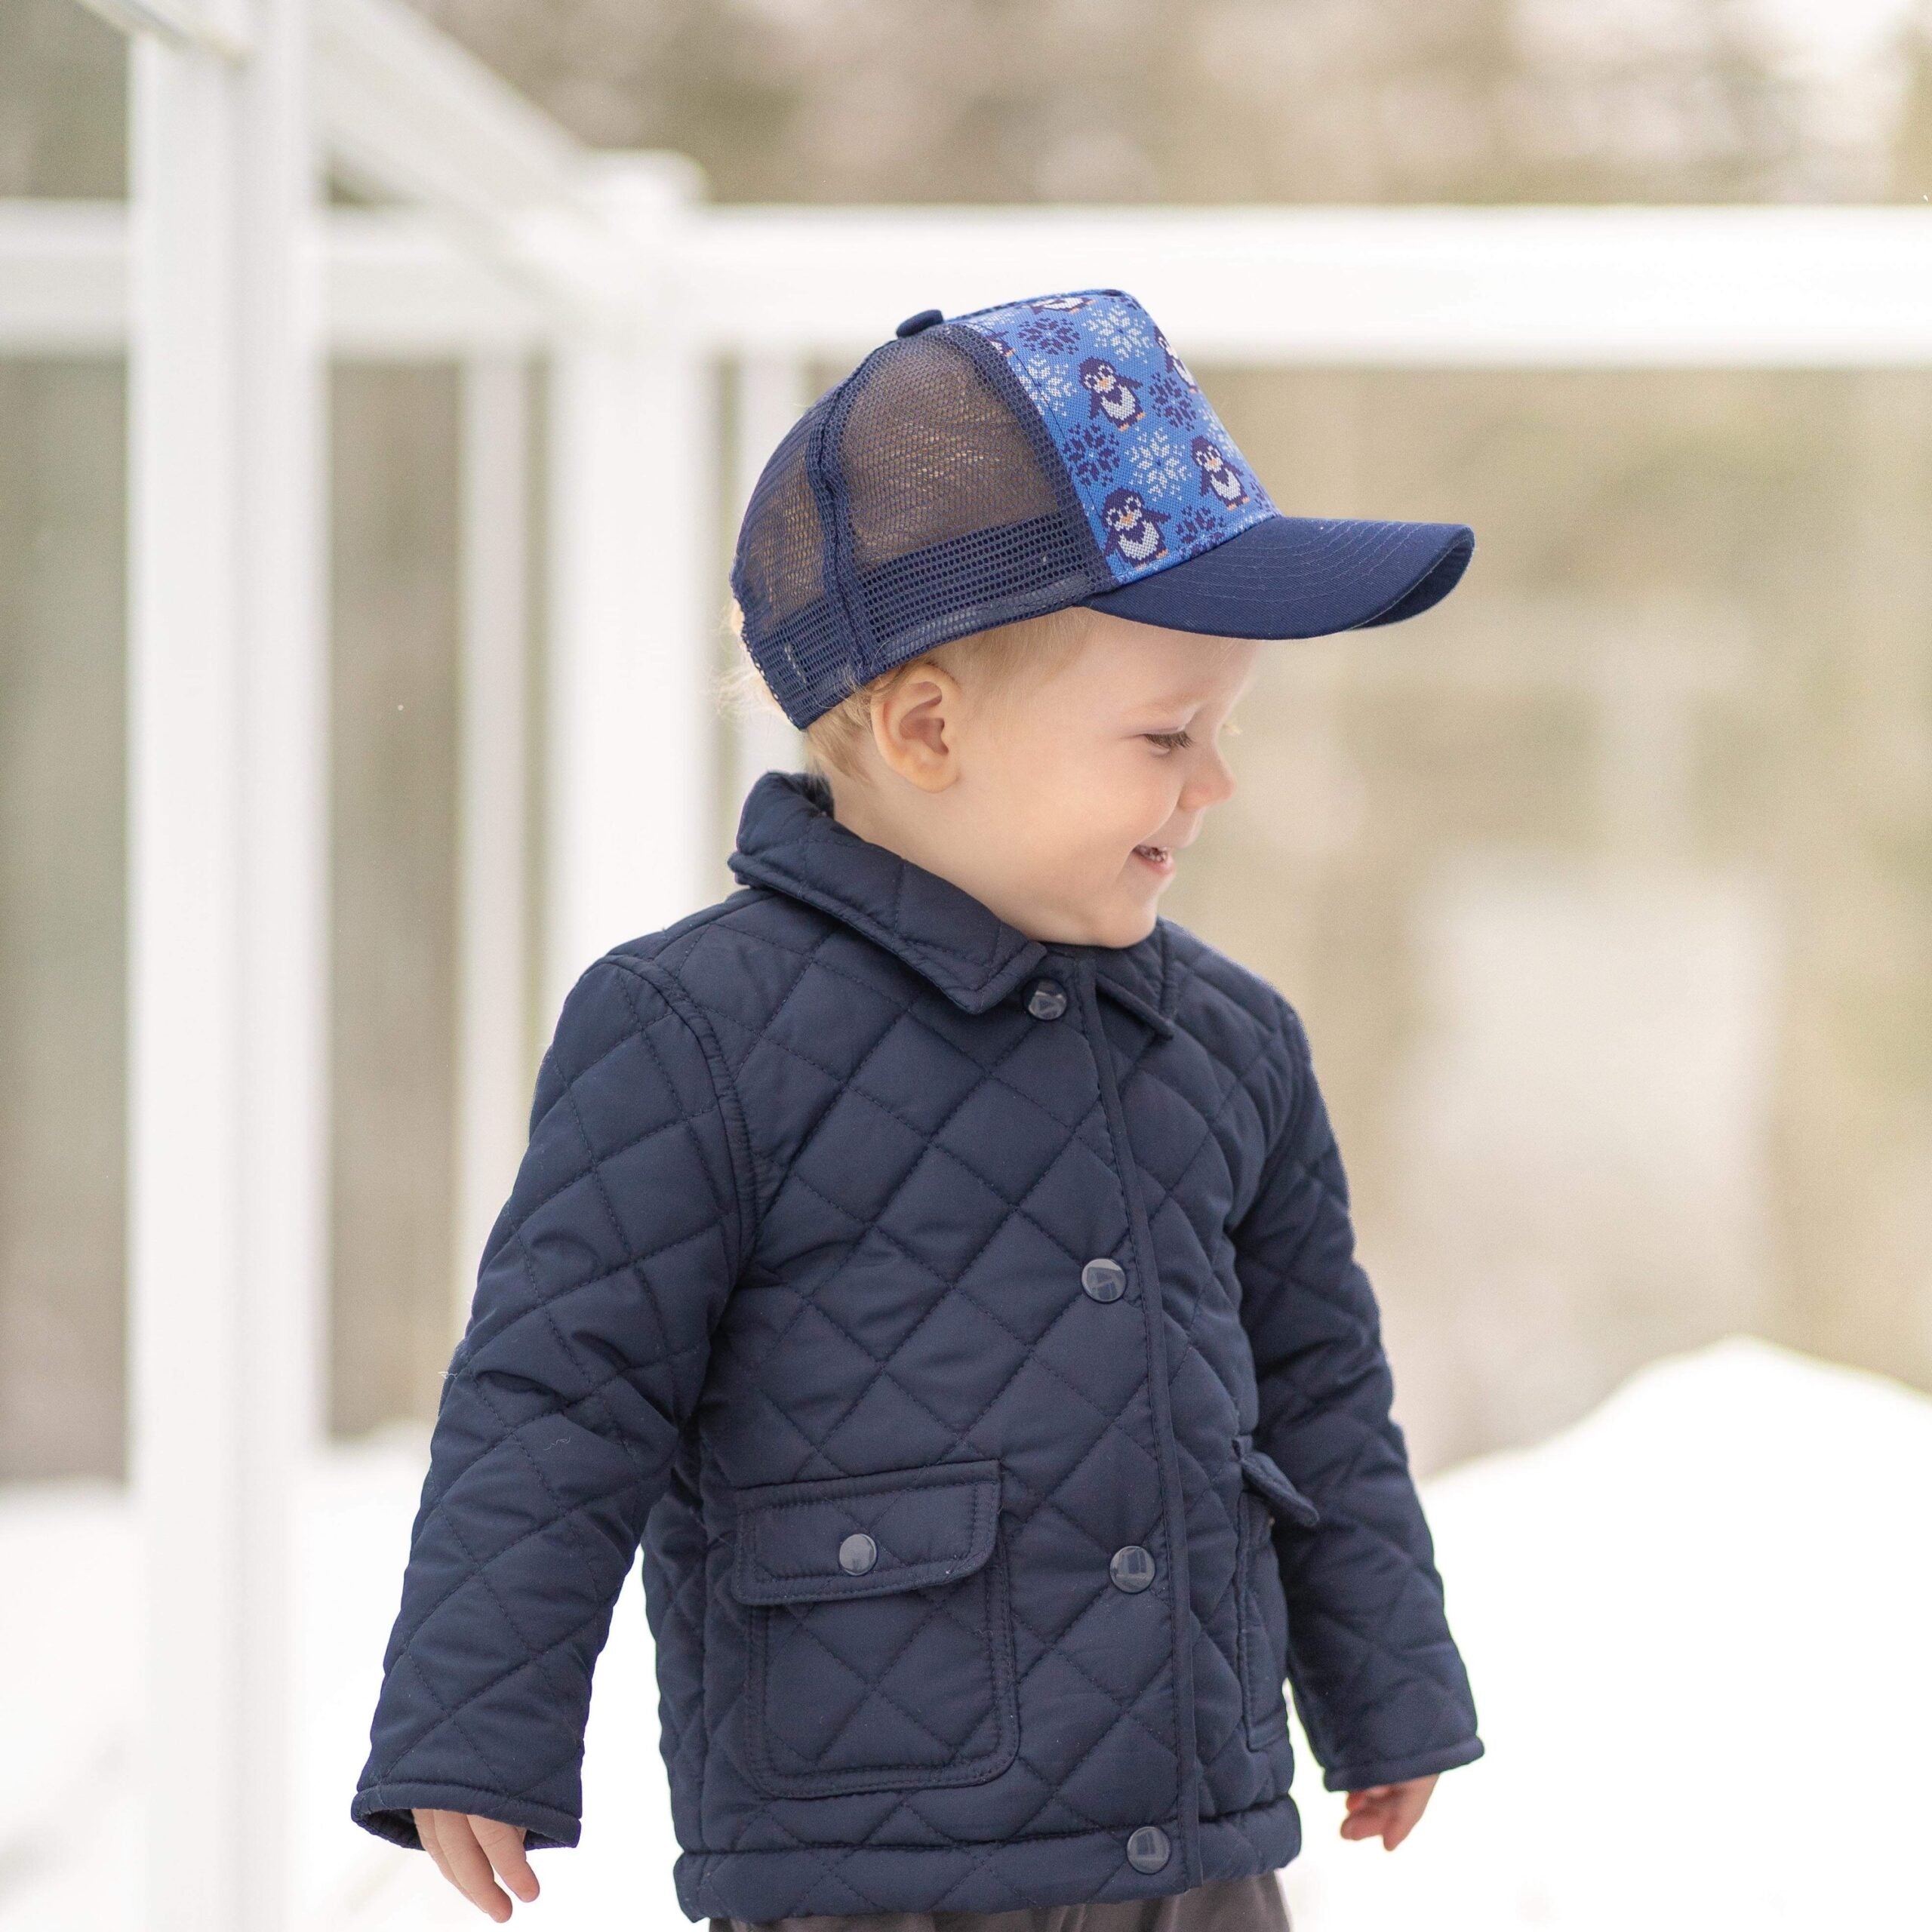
(514, 247)
(1437, 288)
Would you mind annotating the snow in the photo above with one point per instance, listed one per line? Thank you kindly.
(1696, 1623)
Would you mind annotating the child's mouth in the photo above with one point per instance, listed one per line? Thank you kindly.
(1160, 858)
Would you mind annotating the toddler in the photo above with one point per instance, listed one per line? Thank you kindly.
(938, 1263)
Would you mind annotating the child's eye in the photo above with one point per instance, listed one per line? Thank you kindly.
(1168, 741)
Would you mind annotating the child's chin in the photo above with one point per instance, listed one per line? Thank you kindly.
(1130, 925)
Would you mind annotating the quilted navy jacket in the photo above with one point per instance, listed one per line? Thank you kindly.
(970, 1331)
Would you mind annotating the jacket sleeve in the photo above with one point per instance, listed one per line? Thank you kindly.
(1377, 1680)
(587, 1340)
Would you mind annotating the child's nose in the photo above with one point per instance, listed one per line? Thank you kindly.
(1212, 781)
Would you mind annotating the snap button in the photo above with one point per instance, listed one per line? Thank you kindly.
(925, 319)
(857, 1554)
(1045, 1002)
(1104, 1280)
(1132, 1569)
(1147, 1849)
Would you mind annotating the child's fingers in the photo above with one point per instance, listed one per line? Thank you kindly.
(1373, 1813)
(1386, 1811)
(469, 1869)
(425, 1829)
(504, 1844)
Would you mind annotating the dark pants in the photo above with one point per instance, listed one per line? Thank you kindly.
(1222, 1905)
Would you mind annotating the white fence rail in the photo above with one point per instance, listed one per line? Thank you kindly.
(1505, 288)
(227, 878)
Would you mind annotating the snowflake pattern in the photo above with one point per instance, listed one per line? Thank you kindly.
(1120, 332)
(1172, 400)
(1092, 454)
(1049, 382)
(1160, 465)
(1049, 335)
(1198, 529)
(1143, 447)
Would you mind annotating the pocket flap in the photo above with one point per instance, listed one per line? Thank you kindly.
(908, 1528)
(1263, 1475)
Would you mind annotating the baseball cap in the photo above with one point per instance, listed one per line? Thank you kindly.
(1055, 451)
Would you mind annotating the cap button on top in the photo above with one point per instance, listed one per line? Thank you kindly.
(1104, 1280)
(1131, 1567)
(1048, 1001)
(857, 1554)
(925, 319)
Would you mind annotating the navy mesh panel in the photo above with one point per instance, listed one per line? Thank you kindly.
(778, 576)
(779, 554)
(916, 502)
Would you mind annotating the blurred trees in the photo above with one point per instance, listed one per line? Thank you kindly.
(1234, 100)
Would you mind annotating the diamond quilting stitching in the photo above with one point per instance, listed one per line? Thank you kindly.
(916, 998)
(493, 1777)
(442, 1526)
(565, 1511)
(875, 1687)
(529, 1661)
(769, 991)
(726, 1206)
(933, 1149)
(1221, 1100)
(881, 1365)
(958, 1284)
(962, 1436)
(682, 1625)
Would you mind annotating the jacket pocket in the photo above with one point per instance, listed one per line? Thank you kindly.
(1262, 1626)
(880, 1641)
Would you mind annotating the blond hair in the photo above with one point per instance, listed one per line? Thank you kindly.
(991, 659)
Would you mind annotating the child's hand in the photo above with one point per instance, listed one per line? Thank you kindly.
(465, 1848)
(1387, 1811)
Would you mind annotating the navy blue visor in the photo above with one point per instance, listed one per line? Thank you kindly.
(1300, 577)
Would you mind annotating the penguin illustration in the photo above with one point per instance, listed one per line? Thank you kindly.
(1110, 395)
(1133, 531)
(1219, 477)
(1060, 305)
(1175, 364)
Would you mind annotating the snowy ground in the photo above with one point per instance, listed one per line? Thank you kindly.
(1696, 1623)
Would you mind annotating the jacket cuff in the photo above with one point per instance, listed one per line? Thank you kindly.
(1398, 1771)
(386, 1809)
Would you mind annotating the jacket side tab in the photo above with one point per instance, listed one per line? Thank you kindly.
(1265, 1477)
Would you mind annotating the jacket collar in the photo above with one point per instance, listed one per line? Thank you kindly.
(788, 839)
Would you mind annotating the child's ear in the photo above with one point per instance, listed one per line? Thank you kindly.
(916, 723)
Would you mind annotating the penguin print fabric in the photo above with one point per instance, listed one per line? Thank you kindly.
(1154, 468)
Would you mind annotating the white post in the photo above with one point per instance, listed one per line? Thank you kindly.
(771, 399)
(493, 1074)
(632, 725)
(226, 842)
